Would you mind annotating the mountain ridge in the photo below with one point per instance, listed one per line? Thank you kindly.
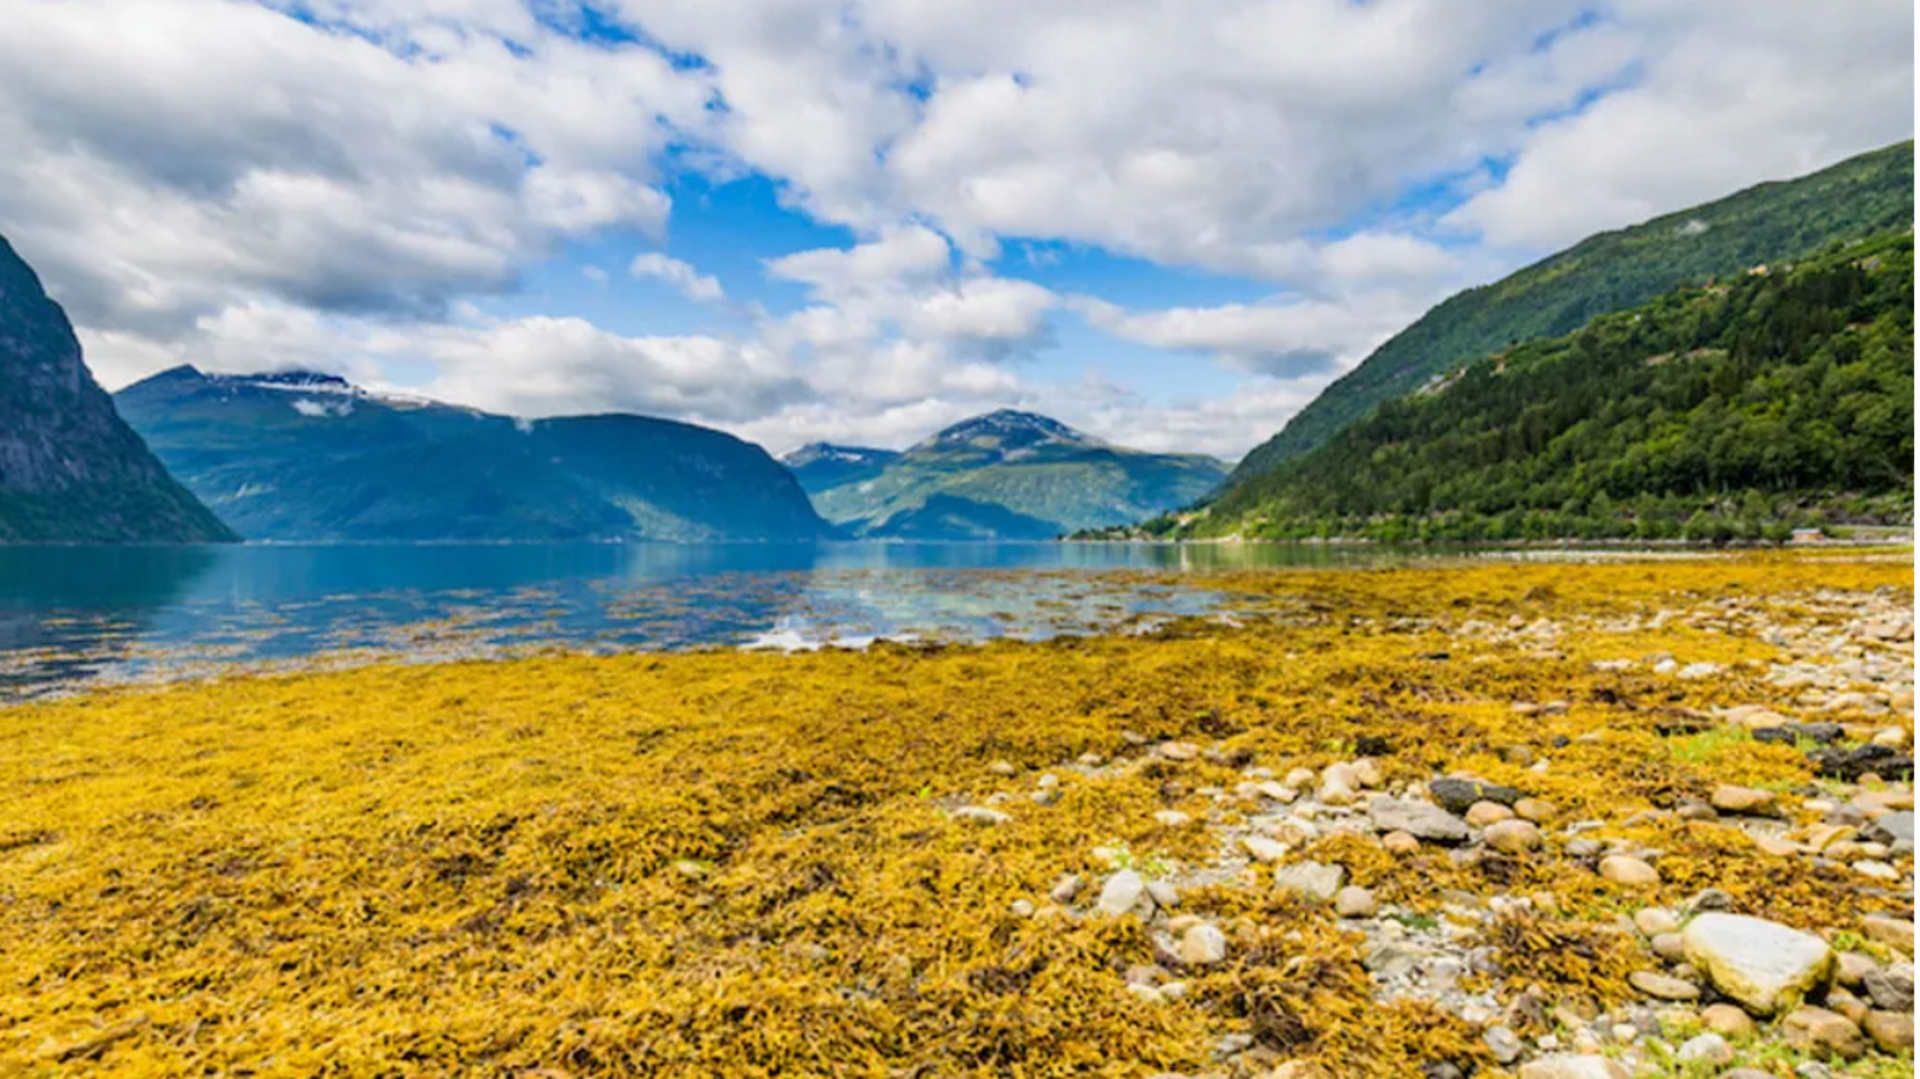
(306, 456)
(1609, 271)
(1010, 474)
(71, 470)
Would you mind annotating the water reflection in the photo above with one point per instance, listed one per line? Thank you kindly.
(127, 613)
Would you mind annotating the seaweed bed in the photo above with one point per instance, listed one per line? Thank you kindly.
(750, 864)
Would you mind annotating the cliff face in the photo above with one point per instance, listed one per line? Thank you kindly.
(70, 470)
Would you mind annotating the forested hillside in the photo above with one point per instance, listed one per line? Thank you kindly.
(1733, 410)
(1865, 195)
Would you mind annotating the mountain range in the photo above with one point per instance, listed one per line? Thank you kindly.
(300, 456)
(1611, 271)
(70, 470)
(1004, 475)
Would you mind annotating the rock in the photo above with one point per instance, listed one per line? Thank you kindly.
(1849, 765)
(1310, 880)
(1400, 843)
(1422, 820)
(1203, 945)
(1172, 818)
(980, 815)
(1891, 1031)
(1821, 1032)
(1270, 789)
(1481, 814)
(1854, 968)
(1706, 1048)
(1566, 1066)
(1021, 908)
(1164, 894)
(1354, 901)
(1336, 793)
(1839, 1000)
(1628, 872)
(1876, 870)
(1731, 799)
(1146, 993)
(1663, 987)
(1654, 921)
(1671, 947)
(1891, 737)
(1765, 966)
(1893, 829)
(1504, 1044)
(1179, 751)
(1728, 1021)
(1512, 836)
(1537, 810)
(1300, 779)
(1891, 987)
(1893, 932)
(1366, 773)
(1457, 795)
(1003, 768)
(1264, 849)
(1123, 892)
(1066, 888)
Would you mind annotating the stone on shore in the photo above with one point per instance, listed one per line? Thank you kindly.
(1422, 820)
(1310, 880)
(1457, 795)
(1819, 1031)
(1767, 967)
(1569, 1066)
(1123, 891)
(1628, 872)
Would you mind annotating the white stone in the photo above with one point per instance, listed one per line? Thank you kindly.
(1122, 893)
(1765, 966)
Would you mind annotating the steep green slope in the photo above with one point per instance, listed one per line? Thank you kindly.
(70, 470)
(309, 457)
(1614, 270)
(1710, 412)
(1014, 475)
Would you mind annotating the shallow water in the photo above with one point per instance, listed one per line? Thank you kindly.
(70, 615)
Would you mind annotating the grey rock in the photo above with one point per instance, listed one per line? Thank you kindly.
(1505, 1045)
(1310, 880)
(1891, 987)
(1765, 966)
(1423, 820)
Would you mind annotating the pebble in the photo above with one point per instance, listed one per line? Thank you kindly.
(1512, 836)
(1354, 901)
(1854, 969)
(1817, 1030)
(1264, 849)
(1310, 880)
(1628, 872)
(1893, 932)
(1654, 921)
(1537, 810)
(1669, 946)
(1481, 814)
(1574, 1067)
(1123, 891)
(981, 815)
(1066, 888)
(1203, 945)
(1172, 818)
(1179, 751)
(1731, 799)
(1400, 843)
(1422, 820)
(1663, 987)
(1706, 1048)
(1891, 1031)
(1891, 988)
(1505, 1045)
(1728, 1021)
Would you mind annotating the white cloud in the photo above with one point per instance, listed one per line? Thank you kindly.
(694, 285)
(222, 182)
(1282, 338)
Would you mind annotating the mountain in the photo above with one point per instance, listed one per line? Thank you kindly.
(820, 465)
(1013, 475)
(70, 470)
(1609, 272)
(1731, 410)
(305, 456)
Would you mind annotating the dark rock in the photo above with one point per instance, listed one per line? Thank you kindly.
(1774, 736)
(1372, 745)
(1823, 733)
(1848, 765)
(1456, 795)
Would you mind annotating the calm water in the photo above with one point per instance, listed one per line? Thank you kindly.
(74, 614)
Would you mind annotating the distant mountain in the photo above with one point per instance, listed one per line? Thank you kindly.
(1868, 194)
(820, 465)
(1737, 410)
(305, 456)
(1013, 475)
(70, 470)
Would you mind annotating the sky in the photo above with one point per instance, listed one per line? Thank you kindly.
(1170, 223)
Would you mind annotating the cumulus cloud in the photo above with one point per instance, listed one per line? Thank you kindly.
(1282, 338)
(336, 183)
(694, 285)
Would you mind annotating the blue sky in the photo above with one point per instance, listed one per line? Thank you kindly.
(1170, 224)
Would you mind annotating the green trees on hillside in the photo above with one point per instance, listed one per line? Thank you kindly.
(1712, 413)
